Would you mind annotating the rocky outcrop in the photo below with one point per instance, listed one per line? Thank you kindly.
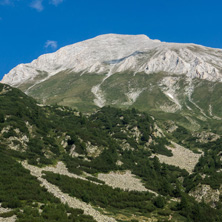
(206, 137)
(205, 193)
(17, 142)
(93, 151)
(114, 53)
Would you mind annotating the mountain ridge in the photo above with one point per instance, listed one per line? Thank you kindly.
(101, 53)
(128, 71)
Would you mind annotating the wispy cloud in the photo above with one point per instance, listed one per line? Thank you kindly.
(37, 4)
(6, 2)
(56, 2)
(51, 44)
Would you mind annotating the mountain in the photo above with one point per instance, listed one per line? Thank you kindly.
(119, 53)
(128, 71)
(124, 128)
(112, 165)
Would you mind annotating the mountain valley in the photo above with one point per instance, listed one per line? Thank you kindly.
(115, 128)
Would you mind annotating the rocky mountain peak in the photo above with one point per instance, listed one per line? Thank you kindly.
(119, 53)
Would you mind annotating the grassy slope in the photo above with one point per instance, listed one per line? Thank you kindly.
(74, 90)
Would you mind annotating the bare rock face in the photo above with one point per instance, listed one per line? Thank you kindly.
(205, 137)
(114, 53)
(205, 193)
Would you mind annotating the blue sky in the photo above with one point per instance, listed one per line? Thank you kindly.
(29, 28)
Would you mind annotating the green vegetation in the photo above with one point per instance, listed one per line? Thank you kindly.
(18, 110)
(136, 202)
(53, 212)
(197, 212)
(102, 195)
(94, 179)
(58, 90)
(74, 90)
(46, 135)
(209, 165)
(13, 193)
(21, 191)
(157, 177)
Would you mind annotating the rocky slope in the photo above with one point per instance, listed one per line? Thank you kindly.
(119, 53)
(127, 71)
(113, 165)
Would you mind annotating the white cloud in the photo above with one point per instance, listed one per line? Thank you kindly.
(51, 44)
(37, 4)
(8, 2)
(56, 2)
